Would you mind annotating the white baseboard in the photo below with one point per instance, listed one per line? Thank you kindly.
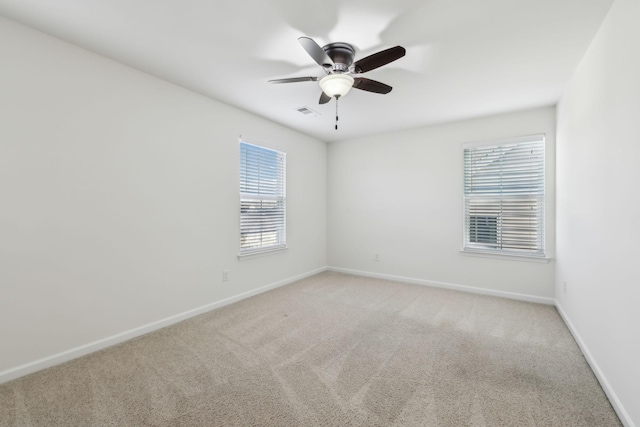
(65, 356)
(46, 362)
(452, 286)
(613, 398)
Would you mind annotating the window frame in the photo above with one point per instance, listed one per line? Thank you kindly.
(262, 193)
(476, 248)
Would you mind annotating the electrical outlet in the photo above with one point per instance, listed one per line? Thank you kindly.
(565, 287)
(225, 275)
(376, 257)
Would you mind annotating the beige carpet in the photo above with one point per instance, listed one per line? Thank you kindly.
(330, 350)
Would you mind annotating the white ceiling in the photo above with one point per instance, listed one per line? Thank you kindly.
(465, 58)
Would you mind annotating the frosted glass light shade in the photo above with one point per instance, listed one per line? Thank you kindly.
(336, 84)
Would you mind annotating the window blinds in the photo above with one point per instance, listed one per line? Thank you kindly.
(262, 199)
(504, 196)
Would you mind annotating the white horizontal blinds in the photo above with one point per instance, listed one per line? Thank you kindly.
(262, 198)
(504, 196)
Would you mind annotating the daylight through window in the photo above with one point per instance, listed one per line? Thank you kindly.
(504, 196)
(262, 199)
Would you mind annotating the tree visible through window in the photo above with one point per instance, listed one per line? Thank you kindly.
(504, 196)
(262, 199)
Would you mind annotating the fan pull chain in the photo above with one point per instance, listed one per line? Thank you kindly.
(337, 112)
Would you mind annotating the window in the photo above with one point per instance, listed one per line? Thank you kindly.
(504, 196)
(262, 199)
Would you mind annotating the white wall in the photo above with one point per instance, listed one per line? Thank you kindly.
(598, 209)
(119, 198)
(400, 195)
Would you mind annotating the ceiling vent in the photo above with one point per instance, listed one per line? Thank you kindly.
(307, 112)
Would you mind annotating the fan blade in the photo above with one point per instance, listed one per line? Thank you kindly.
(379, 59)
(371, 85)
(295, 80)
(324, 98)
(316, 52)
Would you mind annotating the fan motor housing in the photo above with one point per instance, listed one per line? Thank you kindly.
(342, 55)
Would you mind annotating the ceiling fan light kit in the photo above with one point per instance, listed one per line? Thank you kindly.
(336, 59)
(336, 85)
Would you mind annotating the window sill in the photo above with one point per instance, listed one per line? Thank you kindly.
(511, 257)
(261, 253)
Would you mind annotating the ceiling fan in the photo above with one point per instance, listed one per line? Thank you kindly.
(336, 59)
